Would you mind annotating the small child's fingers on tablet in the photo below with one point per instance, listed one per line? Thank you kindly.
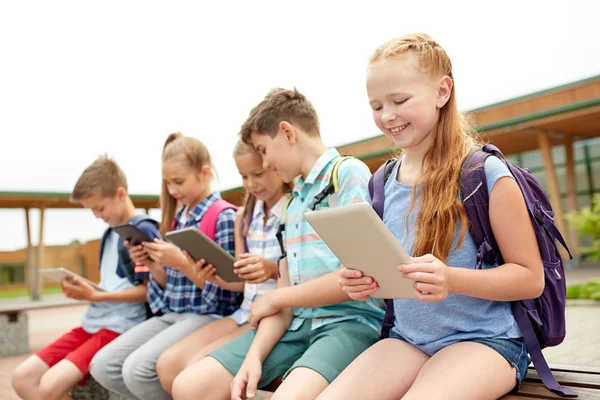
(353, 282)
(349, 273)
(360, 288)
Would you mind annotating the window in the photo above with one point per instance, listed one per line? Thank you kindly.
(11, 274)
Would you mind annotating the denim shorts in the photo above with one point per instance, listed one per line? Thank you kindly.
(513, 350)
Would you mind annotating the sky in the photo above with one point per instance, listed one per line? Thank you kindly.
(79, 79)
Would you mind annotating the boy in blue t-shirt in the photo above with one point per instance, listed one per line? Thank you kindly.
(52, 371)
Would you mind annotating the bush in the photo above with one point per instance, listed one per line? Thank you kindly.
(590, 290)
(587, 223)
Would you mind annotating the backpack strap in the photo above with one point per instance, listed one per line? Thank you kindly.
(102, 243)
(208, 223)
(279, 234)
(377, 193)
(476, 201)
(332, 186)
(377, 185)
(534, 350)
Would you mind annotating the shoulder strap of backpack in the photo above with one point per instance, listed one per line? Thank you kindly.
(377, 185)
(102, 243)
(208, 223)
(332, 186)
(475, 199)
(281, 228)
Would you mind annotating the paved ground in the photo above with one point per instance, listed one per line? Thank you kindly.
(581, 345)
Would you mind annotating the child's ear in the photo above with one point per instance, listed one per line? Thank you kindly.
(444, 91)
(121, 192)
(206, 172)
(288, 131)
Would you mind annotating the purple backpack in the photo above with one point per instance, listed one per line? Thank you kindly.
(541, 320)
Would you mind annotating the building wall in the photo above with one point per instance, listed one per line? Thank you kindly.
(76, 257)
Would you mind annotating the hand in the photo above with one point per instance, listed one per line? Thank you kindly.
(78, 290)
(356, 286)
(165, 253)
(245, 383)
(262, 307)
(201, 272)
(138, 254)
(430, 276)
(255, 269)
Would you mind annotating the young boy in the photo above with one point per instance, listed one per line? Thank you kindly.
(315, 341)
(56, 368)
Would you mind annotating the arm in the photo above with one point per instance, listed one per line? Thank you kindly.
(272, 328)
(80, 290)
(303, 296)
(269, 332)
(522, 275)
(133, 295)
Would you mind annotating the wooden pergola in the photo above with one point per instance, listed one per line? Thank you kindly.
(559, 116)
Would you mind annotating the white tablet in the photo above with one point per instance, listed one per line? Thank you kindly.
(360, 240)
(58, 274)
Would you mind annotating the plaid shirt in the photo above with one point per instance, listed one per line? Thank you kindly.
(180, 295)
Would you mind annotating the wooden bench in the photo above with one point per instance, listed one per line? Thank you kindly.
(584, 380)
(14, 325)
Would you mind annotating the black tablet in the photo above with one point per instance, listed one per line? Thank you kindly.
(131, 233)
(199, 246)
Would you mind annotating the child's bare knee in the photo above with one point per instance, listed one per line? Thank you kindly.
(48, 390)
(167, 370)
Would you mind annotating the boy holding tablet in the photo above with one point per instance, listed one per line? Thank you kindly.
(51, 372)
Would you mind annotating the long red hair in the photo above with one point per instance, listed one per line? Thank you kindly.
(440, 209)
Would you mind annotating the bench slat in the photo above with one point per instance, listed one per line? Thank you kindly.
(579, 379)
(586, 369)
(538, 391)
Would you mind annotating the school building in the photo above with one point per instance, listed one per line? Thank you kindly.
(554, 133)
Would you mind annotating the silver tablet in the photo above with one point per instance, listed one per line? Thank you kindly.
(58, 274)
(199, 246)
(360, 240)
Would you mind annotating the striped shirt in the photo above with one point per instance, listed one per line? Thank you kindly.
(308, 256)
(180, 295)
(261, 241)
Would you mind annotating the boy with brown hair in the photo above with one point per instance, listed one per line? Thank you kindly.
(309, 330)
(52, 371)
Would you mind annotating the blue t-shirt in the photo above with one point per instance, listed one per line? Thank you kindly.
(432, 326)
(116, 316)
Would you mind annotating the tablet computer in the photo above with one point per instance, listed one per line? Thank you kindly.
(131, 233)
(199, 246)
(58, 274)
(360, 240)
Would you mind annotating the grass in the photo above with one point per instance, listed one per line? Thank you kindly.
(589, 290)
(17, 293)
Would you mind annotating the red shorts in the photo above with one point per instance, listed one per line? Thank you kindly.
(77, 346)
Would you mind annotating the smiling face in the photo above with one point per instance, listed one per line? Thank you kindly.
(404, 100)
(262, 183)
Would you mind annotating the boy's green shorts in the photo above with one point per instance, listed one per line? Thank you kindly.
(326, 350)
